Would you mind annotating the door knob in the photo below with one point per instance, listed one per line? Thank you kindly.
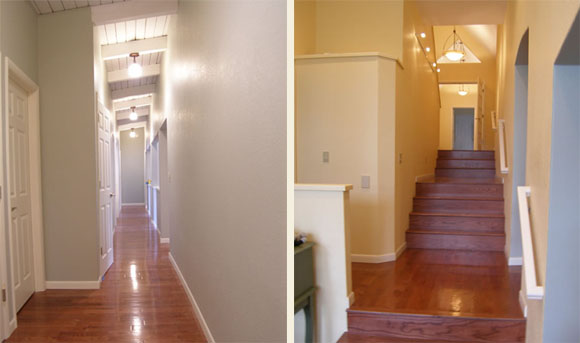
(112, 195)
(14, 208)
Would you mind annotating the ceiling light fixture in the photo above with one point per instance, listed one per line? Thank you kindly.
(423, 35)
(427, 49)
(434, 64)
(133, 115)
(132, 134)
(462, 91)
(135, 69)
(438, 70)
(456, 50)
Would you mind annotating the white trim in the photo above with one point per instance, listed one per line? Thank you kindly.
(4, 318)
(73, 284)
(133, 204)
(196, 309)
(142, 46)
(400, 250)
(123, 74)
(351, 299)
(322, 187)
(364, 258)
(135, 125)
(131, 10)
(533, 290)
(523, 303)
(132, 92)
(163, 240)
(348, 55)
(502, 147)
(515, 261)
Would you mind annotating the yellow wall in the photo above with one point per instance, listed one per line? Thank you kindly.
(450, 99)
(548, 22)
(330, 26)
(417, 120)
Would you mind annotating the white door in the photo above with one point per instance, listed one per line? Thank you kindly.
(105, 188)
(20, 214)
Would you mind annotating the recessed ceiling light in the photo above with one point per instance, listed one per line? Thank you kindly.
(427, 49)
(423, 35)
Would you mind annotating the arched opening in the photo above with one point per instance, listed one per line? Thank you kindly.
(519, 141)
(561, 301)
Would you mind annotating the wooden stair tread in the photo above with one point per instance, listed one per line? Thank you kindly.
(439, 314)
(348, 337)
(458, 232)
(459, 180)
(455, 197)
(471, 215)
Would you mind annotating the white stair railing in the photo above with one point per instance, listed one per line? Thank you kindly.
(502, 148)
(533, 290)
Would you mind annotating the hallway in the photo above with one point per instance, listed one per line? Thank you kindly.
(140, 300)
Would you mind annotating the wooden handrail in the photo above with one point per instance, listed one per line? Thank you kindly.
(533, 290)
(502, 148)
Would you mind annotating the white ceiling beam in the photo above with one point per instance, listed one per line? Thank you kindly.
(123, 105)
(132, 91)
(123, 74)
(132, 10)
(142, 46)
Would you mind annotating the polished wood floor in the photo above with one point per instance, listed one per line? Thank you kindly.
(140, 300)
(440, 282)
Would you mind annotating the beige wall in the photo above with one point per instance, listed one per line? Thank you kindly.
(224, 97)
(18, 41)
(548, 22)
(330, 26)
(417, 120)
(450, 99)
(344, 106)
(68, 145)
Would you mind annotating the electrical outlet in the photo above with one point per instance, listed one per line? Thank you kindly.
(325, 157)
(365, 181)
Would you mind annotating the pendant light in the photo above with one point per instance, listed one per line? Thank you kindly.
(455, 51)
(133, 115)
(135, 69)
(462, 91)
(133, 134)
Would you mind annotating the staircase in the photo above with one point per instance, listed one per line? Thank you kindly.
(452, 283)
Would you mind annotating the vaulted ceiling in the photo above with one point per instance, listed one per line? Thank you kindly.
(52, 6)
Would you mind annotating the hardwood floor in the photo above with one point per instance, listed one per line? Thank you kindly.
(140, 300)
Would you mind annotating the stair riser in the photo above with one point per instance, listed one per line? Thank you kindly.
(453, 329)
(458, 206)
(442, 163)
(468, 224)
(465, 173)
(455, 242)
(479, 155)
(475, 190)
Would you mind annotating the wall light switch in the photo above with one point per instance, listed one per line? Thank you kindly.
(365, 181)
(325, 157)
(400, 157)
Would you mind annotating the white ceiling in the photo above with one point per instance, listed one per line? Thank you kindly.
(479, 40)
(51, 6)
(462, 12)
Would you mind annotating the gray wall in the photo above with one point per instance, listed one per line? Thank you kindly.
(133, 167)
(226, 115)
(68, 145)
(18, 41)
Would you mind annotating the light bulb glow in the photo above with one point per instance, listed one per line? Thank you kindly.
(132, 134)
(133, 115)
(423, 35)
(427, 49)
(434, 64)
(438, 70)
(454, 55)
(135, 70)
(462, 93)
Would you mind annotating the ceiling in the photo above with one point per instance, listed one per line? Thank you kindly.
(462, 12)
(52, 6)
(479, 40)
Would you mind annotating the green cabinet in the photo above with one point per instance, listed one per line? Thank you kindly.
(304, 286)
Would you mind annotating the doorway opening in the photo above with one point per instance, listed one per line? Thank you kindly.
(561, 312)
(463, 128)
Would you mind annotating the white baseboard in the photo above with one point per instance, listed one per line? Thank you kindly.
(164, 240)
(515, 261)
(400, 249)
(73, 284)
(12, 325)
(523, 304)
(133, 204)
(363, 258)
(350, 299)
(196, 309)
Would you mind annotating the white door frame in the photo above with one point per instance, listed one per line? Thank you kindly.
(3, 266)
(12, 71)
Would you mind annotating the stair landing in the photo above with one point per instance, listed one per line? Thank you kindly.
(436, 295)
